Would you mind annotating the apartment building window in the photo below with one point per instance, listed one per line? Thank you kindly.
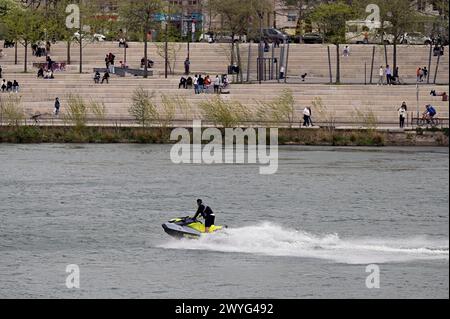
(421, 5)
(292, 17)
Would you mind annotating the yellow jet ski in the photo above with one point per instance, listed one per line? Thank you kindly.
(187, 227)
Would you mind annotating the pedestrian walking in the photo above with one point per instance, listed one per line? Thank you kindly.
(187, 64)
(57, 106)
(306, 116)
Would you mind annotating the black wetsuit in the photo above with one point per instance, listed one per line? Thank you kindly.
(207, 214)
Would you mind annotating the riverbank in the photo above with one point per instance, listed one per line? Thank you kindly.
(156, 135)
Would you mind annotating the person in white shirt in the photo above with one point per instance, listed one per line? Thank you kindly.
(197, 91)
(306, 116)
(346, 51)
(381, 75)
(402, 114)
(282, 72)
(217, 83)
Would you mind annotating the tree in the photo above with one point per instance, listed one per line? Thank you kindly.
(55, 24)
(140, 16)
(398, 17)
(238, 18)
(143, 109)
(24, 26)
(303, 8)
(6, 5)
(442, 22)
(331, 20)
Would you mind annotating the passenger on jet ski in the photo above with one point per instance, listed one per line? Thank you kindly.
(206, 213)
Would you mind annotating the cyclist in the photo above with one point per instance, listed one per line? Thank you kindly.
(429, 114)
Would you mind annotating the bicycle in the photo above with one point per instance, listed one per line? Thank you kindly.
(428, 121)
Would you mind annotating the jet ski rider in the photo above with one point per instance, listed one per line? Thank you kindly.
(206, 213)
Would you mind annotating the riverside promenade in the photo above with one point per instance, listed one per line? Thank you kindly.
(340, 102)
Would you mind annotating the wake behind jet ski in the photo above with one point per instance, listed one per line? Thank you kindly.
(188, 227)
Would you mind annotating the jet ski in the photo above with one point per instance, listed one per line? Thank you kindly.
(187, 227)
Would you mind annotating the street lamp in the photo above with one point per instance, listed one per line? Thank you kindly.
(261, 52)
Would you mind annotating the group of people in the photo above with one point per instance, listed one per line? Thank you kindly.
(105, 77)
(421, 73)
(45, 73)
(392, 77)
(39, 49)
(9, 86)
(203, 84)
(109, 62)
(150, 63)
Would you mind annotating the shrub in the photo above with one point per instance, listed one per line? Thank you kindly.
(366, 117)
(98, 110)
(76, 113)
(225, 113)
(279, 111)
(11, 110)
(143, 109)
(327, 115)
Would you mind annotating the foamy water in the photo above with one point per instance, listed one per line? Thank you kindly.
(273, 240)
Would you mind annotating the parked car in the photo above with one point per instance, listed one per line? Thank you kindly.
(210, 37)
(415, 38)
(95, 37)
(312, 37)
(272, 35)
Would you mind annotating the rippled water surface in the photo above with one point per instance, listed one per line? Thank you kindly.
(308, 231)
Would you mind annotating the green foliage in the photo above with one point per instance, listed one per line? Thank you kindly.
(281, 110)
(77, 109)
(184, 106)
(326, 114)
(24, 25)
(143, 109)
(173, 50)
(11, 110)
(138, 15)
(167, 111)
(225, 113)
(98, 110)
(304, 9)
(238, 15)
(366, 117)
(398, 17)
(331, 18)
(6, 6)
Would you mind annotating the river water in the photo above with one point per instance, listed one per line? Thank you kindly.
(308, 231)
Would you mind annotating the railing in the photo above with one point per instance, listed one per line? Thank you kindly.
(339, 123)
